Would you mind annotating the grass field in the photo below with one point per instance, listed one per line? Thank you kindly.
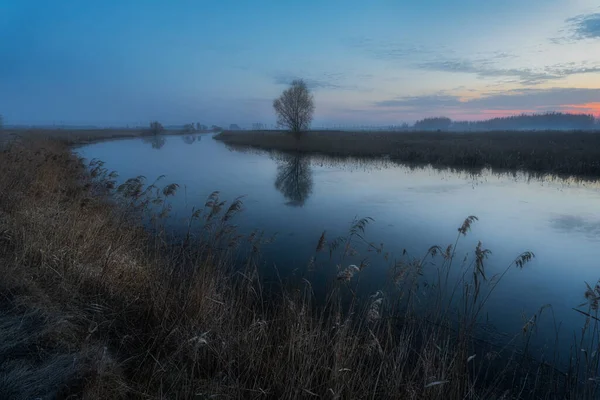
(552, 152)
(82, 136)
(94, 306)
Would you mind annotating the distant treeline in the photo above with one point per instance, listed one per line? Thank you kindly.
(546, 121)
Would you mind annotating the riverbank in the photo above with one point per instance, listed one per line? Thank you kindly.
(94, 306)
(84, 136)
(550, 152)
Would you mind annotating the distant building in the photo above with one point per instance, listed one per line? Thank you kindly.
(234, 127)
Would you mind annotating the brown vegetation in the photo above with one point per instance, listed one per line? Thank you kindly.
(78, 136)
(81, 136)
(94, 306)
(562, 153)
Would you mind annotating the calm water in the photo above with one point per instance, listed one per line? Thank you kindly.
(299, 197)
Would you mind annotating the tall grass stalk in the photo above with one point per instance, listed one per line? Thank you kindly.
(96, 303)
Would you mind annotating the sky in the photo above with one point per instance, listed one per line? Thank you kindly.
(118, 62)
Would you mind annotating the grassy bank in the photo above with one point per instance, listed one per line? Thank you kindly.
(564, 153)
(82, 136)
(93, 306)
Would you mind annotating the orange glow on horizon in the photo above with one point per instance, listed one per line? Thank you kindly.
(587, 108)
(473, 114)
(489, 114)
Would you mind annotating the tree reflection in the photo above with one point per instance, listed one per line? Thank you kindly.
(294, 179)
(156, 141)
(189, 139)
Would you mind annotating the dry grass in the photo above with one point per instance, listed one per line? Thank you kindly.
(80, 136)
(95, 307)
(563, 153)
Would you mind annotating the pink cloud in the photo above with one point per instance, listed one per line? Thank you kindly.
(587, 108)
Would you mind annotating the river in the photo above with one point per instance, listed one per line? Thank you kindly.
(298, 197)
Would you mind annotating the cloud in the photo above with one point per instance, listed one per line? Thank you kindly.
(537, 98)
(327, 81)
(586, 26)
(392, 50)
(286, 79)
(422, 101)
(574, 68)
(484, 65)
(484, 68)
(517, 99)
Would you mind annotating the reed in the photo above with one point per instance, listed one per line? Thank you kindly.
(90, 135)
(97, 302)
(550, 152)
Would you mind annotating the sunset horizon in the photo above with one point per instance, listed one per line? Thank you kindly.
(119, 63)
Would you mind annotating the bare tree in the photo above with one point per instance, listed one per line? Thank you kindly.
(295, 107)
(156, 141)
(294, 179)
(188, 139)
(156, 127)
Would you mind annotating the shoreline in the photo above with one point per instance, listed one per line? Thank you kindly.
(145, 319)
(81, 137)
(568, 154)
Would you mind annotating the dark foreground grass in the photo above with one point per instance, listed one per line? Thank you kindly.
(93, 306)
(552, 152)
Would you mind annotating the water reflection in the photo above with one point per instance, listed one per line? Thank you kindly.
(190, 139)
(414, 207)
(476, 176)
(157, 142)
(577, 224)
(294, 178)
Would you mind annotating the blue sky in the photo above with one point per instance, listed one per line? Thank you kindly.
(219, 62)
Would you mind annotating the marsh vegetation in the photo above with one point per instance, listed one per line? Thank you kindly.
(108, 310)
(154, 132)
(550, 152)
